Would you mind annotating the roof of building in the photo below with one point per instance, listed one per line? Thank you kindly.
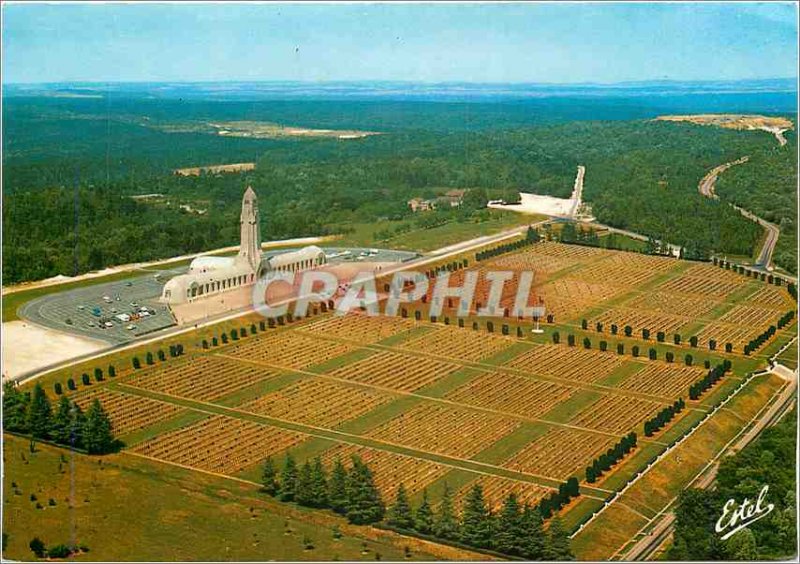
(209, 263)
(306, 253)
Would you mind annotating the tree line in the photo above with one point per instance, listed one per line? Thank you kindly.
(31, 413)
(516, 530)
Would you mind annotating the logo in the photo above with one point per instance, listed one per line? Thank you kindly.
(736, 517)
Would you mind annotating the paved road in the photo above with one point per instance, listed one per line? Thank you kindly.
(577, 191)
(663, 529)
(706, 188)
(674, 249)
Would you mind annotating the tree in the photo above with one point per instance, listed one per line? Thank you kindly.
(302, 493)
(559, 541)
(510, 534)
(364, 503)
(15, 408)
(136, 364)
(445, 524)
(39, 413)
(556, 337)
(476, 519)
(534, 540)
(269, 478)
(60, 427)
(97, 436)
(76, 424)
(37, 547)
(319, 484)
(400, 514)
(423, 518)
(688, 360)
(149, 358)
(742, 546)
(288, 479)
(337, 487)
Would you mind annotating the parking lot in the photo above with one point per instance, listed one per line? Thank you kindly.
(118, 312)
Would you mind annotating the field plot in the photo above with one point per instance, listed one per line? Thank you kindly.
(496, 490)
(219, 444)
(396, 371)
(127, 412)
(569, 363)
(727, 333)
(529, 259)
(640, 261)
(673, 304)
(460, 344)
(389, 469)
(575, 253)
(360, 328)
(615, 273)
(317, 402)
(616, 414)
(445, 430)
(708, 270)
(512, 394)
(772, 297)
(203, 378)
(639, 319)
(567, 297)
(758, 318)
(711, 286)
(289, 349)
(560, 453)
(663, 380)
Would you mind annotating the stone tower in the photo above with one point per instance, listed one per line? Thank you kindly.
(250, 245)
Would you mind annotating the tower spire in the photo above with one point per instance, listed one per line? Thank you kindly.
(250, 244)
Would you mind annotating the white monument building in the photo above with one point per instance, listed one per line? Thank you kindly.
(210, 275)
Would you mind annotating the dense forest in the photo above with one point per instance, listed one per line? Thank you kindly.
(767, 186)
(72, 165)
(770, 460)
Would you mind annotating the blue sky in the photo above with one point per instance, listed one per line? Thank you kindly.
(416, 42)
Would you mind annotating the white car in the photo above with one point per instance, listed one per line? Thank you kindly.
(80, 307)
(108, 324)
(131, 327)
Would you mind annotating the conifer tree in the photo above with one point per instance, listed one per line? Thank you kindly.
(39, 413)
(302, 494)
(60, 427)
(445, 524)
(288, 479)
(533, 537)
(15, 408)
(510, 535)
(400, 512)
(423, 518)
(97, 436)
(319, 484)
(269, 478)
(559, 541)
(337, 487)
(476, 525)
(364, 503)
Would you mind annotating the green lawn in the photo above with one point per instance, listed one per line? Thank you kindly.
(127, 508)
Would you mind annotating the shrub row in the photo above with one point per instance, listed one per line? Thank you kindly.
(651, 426)
(605, 461)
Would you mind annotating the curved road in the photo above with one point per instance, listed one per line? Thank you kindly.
(706, 188)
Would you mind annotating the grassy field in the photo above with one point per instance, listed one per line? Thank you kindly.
(127, 508)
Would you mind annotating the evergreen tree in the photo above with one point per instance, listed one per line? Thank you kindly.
(319, 484)
(423, 518)
(60, 428)
(364, 503)
(302, 494)
(15, 409)
(97, 436)
(288, 479)
(39, 413)
(476, 519)
(742, 546)
(510, 535)
(337, 487)
(445, 524)
(269, 478)
(534, 541)
(559, 541)
(400, 512)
